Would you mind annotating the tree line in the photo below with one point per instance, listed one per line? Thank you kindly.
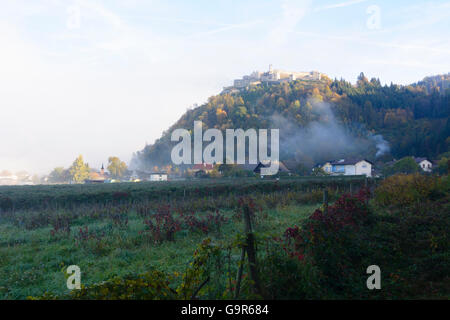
(80, 171)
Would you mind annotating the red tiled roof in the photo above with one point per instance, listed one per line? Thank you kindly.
(203, 166)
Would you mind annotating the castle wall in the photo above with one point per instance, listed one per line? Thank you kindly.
(277, 76)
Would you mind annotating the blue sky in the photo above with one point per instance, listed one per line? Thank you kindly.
(102, 78)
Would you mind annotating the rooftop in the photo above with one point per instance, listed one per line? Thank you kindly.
(350, 161)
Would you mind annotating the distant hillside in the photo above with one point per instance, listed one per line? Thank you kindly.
(327, 119)
(439, 82)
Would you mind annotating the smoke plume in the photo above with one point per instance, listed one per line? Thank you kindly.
(324, 138)
(381, 144)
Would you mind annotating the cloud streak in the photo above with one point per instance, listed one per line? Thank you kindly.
(381, 44)
(338, 5)
(225, 28)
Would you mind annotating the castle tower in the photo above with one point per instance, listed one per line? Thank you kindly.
(270, 68)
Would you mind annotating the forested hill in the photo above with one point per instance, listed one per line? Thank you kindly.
(439, 82)
(413, 119)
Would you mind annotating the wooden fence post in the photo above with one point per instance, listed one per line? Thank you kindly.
(251, 252)
(239, 274)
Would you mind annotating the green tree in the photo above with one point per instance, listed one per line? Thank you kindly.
(405, 165)
(302, 170)
(79, 171)
(59, 175)
(362, 80)
(443, 166)
(116, 167)
(318, 171)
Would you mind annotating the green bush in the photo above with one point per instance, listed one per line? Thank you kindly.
(153, 285)
(285, 278)
(410, 190)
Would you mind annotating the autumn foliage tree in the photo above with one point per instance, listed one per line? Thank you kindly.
(116, 167)
(79, 171)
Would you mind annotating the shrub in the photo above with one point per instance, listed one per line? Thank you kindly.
(120, 196)
(153, 285)
(212, 221)
(283, 277)
(6, 204)
(61, 225)
(333, 241)
(120, 219)
(255, 210)
(407, 190)
(162, 227)
(93, 240)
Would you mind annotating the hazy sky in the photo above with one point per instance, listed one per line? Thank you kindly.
(102, 78)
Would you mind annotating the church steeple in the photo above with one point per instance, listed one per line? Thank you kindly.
(102, 171)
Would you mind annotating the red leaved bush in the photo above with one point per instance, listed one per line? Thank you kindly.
(294, 243)
(349, 211)
(205, 224)
(120, 196)
(162, 227)
(253, 209)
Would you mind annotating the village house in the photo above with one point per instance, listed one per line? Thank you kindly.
(20, 178)
(201, 169)
(256, 168)
(97, 177)
(424, 164)
(158, 176)
(139, 175)
(348, 167)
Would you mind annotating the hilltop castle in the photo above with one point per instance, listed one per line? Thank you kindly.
(271, 76)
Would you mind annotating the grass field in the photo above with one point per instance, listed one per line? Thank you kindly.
(34, 252)
(120, 230)
(31, 262)
(70, 196)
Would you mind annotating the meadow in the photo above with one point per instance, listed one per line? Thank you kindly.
(181, 240)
